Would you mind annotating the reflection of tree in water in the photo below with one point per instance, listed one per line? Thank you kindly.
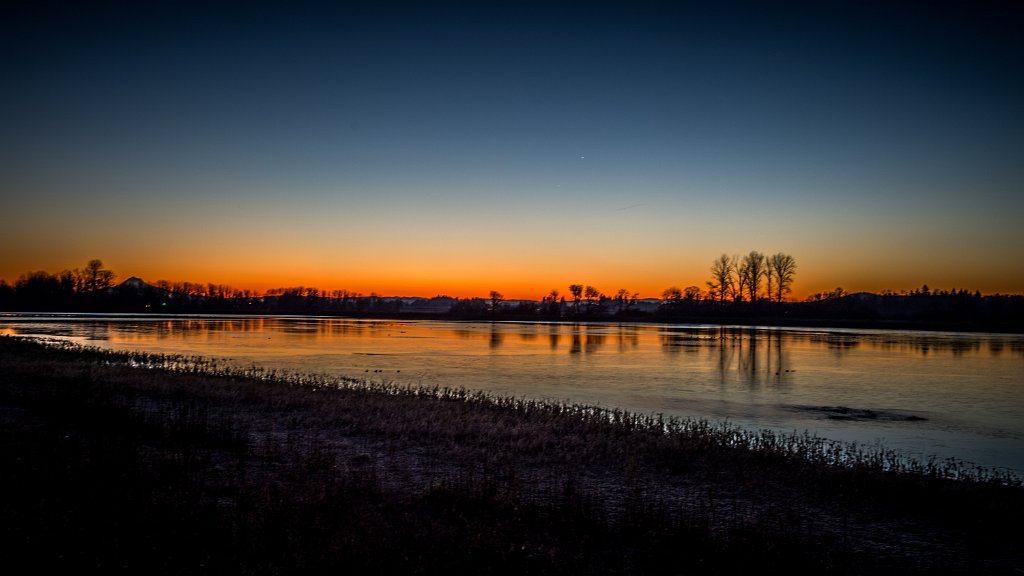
(554, 335)
(196, 328)
(311, 329)
(345, 328)
(527, 335)
(97, 330)
(914, 343)
(997, 346)
(1017, 347)
(726, 352)
(674, 341)
(748, 358)
(840, 345)
(594, 342)
(586, 340)
(961, 347)
(756, 356)
(497, 337)
(628, 339)
(302, 328)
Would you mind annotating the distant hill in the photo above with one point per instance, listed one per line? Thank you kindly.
(136, 284)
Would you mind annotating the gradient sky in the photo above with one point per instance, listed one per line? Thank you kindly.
(520, 147)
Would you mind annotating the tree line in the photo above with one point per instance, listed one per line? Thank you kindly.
(751, 278)
(739, 279)
(754, 286)
(733, 279)
(40, 288)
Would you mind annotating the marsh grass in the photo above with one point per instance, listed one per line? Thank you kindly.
(174, 464)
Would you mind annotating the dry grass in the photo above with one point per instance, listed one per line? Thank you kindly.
(184, 465)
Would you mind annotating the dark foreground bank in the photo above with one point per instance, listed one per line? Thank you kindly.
(177, 466)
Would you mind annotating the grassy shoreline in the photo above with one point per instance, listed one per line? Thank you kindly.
(178, 465)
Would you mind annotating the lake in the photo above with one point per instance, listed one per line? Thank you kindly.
(940, 394)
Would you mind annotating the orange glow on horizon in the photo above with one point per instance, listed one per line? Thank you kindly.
(515, 279)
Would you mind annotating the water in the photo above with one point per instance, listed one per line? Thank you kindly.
(925, 394)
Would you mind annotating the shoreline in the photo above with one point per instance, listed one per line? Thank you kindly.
(573, 488)
(746, 322)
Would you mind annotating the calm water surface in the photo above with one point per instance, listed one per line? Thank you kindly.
(924, 393)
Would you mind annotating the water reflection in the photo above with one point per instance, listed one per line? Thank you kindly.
(497, 337)
(586, 339)
(840, 344)
(628, 339)
(965, 391)
(594, 341)
(528, 336)
(754, 356)
(752, 349)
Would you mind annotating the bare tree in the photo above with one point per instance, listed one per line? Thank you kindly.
(672, 294)
(621, 298)
(783, 268)
(551, 304)
(496, 299)
(692, 293)
(751, 271)
(577, 296)
(593, 296)
(722, 285)
(95, 277)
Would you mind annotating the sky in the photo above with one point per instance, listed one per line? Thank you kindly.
(441, 148)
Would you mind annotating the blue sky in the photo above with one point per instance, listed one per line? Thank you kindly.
(458, 148)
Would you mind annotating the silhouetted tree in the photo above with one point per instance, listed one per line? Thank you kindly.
(38, 285)
(67, 282)
(496, 299)
(592, 295)
(751, 271)
(577, 296)
(551, 305)
(469, 306)
(832, 294)
(722, 285)
(783, 268)
(671, 299)
(624, 300)
(96, 277)
(692, 293)
(672, 294)
(6, 295)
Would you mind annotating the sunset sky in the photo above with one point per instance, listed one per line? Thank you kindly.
(513, 146)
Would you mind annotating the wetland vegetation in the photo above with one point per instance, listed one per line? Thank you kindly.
(174, 464)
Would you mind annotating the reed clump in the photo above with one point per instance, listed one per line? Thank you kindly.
(179, 464)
